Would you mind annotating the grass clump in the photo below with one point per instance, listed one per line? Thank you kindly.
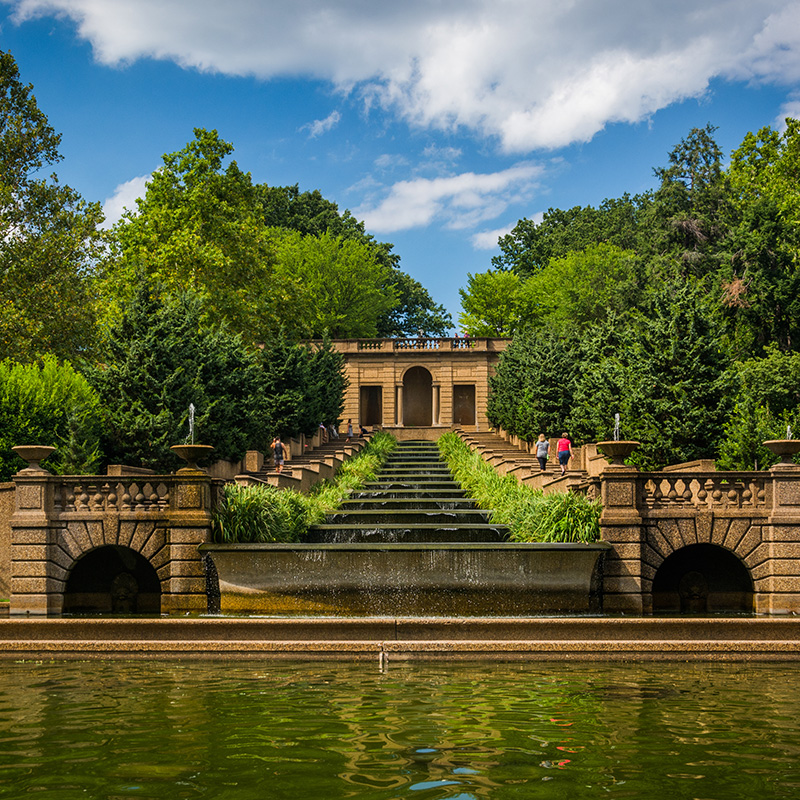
(262, 514)
(531, 516)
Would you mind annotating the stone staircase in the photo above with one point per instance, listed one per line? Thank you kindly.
(524, 466)
(414, 499)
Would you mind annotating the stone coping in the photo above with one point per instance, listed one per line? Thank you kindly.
(303, 546)
(386, 639)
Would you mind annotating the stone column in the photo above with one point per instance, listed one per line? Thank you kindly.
(435, 404)
(621, 527)
(399, 404)
(37, 582)
(777, 580)
(182, 574)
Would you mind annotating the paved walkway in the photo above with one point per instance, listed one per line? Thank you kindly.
(386, 639)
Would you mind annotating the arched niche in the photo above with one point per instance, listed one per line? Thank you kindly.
(112, 580)
(702, 579)
(417, 398)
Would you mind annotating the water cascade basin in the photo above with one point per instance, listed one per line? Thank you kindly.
(409, 544)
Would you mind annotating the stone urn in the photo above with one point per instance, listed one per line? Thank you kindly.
(191, 454)
(785, 449)
(33, 454)
(617, 451)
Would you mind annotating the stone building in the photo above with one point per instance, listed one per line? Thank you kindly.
(416, 387)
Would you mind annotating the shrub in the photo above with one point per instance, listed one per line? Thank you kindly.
(48, 403)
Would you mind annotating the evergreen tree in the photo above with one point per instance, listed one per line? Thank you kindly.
(160, 359)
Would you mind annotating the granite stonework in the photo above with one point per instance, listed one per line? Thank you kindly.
(419, 383)
(382, 640)
(57, 520)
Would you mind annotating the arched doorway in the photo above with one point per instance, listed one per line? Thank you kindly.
(112, 580)
(702, 579)
(417, 398)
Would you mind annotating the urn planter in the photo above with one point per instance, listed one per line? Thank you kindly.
(191, 454)
(33, 454)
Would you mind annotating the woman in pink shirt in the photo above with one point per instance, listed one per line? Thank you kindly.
(564, 451)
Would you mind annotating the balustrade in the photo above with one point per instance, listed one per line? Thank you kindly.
(697, 490)
(103, 496)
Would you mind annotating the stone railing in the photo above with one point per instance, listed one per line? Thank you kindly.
(417, 344)
(711, 490)
(90, 494)
(420, 343)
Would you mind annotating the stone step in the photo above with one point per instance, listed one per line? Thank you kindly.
(407, 495)
(368, 518)
(415, 485)
(393, 534)
(371, 503)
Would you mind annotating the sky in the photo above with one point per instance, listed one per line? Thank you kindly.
(440, 123)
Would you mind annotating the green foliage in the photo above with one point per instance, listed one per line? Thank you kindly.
(160, 358)
(530, 515)
(531, 390)
(303, 386)
(491, 304)
(48, 236)
(415, 311)
(259, 514)
(332, 285)
(582, 288)
(767, 400)
(48, 403)
(250, 514)
(531, 245)
(199, 228)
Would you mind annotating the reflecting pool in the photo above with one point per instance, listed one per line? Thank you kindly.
(188, 729)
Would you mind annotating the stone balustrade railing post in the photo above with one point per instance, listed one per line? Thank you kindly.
(621, 526)
(36, 571)
(182, 574)
(777, 577)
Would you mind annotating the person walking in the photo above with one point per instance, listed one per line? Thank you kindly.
(542, 451)
(278, 453)
(564, 451)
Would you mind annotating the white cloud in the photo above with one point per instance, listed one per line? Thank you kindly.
(530, 73)
(124, 197)
(487, 240)
(320, 126)
(459, 201)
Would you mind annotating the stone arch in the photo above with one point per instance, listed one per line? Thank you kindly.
(702, 578)
(112, 579)
(417, 397)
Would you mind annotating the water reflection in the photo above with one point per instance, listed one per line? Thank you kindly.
(243, 730)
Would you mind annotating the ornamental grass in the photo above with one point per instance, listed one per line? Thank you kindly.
(263, 514)
(529, 514)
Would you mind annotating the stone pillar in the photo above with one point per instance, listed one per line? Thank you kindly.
(777, 580)
(625, 587)
(37, 582)
(435, 404)
(399, 404)
(183, 580)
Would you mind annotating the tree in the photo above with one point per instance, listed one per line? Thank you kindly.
(530, 246)
(311, 214)
(415, 311)
(583, 287)
(332, 285)
(760, 282)
(491, 304)
(531, 390)
(49, 239)
(766, 400)
(200, 228)
(161, 358)
(48, 403)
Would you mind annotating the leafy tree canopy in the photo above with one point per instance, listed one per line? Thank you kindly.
(49, 239)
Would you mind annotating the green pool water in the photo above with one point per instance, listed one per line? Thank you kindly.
(117, 729)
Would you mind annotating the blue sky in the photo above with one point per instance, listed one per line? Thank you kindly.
(438, 123)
